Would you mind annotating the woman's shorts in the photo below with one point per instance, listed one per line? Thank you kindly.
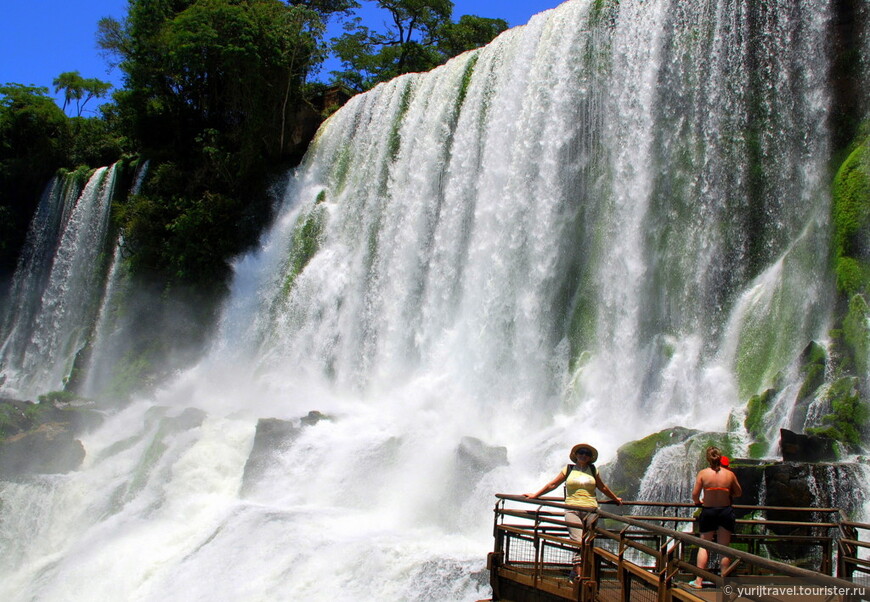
(715, 517)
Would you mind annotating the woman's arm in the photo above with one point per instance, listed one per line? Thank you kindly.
(560, 478)
(736, 490)
(696, 492)
(606, 490)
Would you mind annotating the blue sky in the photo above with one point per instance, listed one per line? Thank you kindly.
(39, 39)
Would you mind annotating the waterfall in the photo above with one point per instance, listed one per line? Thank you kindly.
(34, 265)
(111, 330)
(56, 286)
(611, 220)
(671, 475)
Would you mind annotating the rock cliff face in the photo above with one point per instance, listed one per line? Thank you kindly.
(798, 485)
(785, 485)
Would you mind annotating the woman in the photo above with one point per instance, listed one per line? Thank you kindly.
(581, 479)
(719, 486)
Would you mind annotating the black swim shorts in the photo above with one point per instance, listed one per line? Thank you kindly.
(715, 517)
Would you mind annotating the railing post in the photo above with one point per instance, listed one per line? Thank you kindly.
(496, 558)
(537, 571)
(846, 551)
(623, 576)
(664, 563)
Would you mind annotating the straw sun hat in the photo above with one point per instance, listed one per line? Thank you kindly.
(573, 454)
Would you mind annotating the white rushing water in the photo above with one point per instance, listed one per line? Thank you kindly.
(57, 285)
(588, 230)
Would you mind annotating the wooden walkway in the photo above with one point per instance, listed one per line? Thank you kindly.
(647, 553)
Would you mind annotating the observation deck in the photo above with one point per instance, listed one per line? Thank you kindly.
(646, 551)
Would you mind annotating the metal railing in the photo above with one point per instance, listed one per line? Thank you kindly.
(850, 548)
(645, 551)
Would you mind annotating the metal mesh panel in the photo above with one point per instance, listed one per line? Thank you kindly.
(519, 549)
(558, 554)
(642, 592)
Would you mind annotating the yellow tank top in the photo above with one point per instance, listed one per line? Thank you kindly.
(580, 487)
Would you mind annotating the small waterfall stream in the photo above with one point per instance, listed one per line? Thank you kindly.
(57, 286)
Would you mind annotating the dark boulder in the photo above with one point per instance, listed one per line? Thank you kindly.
(41, 437)
(797, 447)
(273, 436)
(50, 448)
(474, 458)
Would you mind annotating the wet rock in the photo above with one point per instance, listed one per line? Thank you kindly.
(41, 437)
(474, 458)
(813, 360)
(785, 485)
(50, 448)
(313, 418)
(273, 436)
(797, 447)
(18, 416)
(623, 475)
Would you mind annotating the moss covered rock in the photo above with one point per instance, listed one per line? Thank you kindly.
(41, 437)
(856, 334)
(851, 216)
(624, 474)
(849, 417)
(756, 412)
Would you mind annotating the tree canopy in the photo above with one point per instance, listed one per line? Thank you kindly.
(235, 67)
(419, 35)
(79, 89)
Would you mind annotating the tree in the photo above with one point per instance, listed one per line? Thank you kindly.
(234, 66)
(81, 90)
(418, 37)
(468, 33)
(212, 93)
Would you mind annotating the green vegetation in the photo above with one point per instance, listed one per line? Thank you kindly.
(218, 99)
(856, 334)
(756, 411)
(421, 36)
(36, 139)
(850, 415)
(635, 457)
(78, 89)
(851, 215)
(21, 416)
(58, 397)
(813, 361)
(849, 418)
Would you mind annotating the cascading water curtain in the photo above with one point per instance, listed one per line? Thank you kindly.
(57, 285)
(608, 221)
